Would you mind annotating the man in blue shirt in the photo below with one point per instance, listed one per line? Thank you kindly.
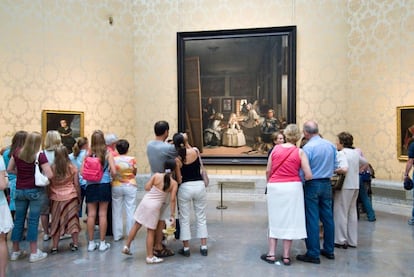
(408, 167)
(318, 195)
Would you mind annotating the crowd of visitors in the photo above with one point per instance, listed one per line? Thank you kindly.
(299, 193)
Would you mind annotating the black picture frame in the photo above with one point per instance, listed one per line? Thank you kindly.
(257, 64)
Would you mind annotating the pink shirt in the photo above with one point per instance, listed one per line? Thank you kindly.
(64, 189)
(288, 171)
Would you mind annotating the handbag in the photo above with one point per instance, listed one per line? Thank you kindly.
(337, 181)
(40, 179)
(408, 183)
(203, 169)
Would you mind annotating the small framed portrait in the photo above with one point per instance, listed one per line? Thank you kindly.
(227, 104)
(69, 124)
(405, 130)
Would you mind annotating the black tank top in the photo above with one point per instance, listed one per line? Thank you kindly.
(191, 172)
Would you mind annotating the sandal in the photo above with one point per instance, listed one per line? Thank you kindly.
(285, 258)
(164, 252)
(268, 258)
(126, 250)
(53, 251)
(73, 246)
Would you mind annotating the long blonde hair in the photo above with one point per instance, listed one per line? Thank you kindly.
(52, 140)
(31, 147)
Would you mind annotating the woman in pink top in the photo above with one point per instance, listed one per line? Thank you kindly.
(65, 198)
(285, 202)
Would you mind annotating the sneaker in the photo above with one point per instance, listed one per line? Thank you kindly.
(154, 260)
(103, 246)
(411, 221)
(203, 251)
(46, 237)
(126, 250)
(18, 255)
(65, 236)
(38, 256)
(92, 246)
(73, 247)
(185, 253)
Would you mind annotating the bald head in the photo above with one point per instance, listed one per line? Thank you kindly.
(310, 128)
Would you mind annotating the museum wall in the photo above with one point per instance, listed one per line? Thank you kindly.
(354, 65)
(65, 55)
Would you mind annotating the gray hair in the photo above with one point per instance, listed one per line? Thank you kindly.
(311, 127)
(110, 139)
(292, 133)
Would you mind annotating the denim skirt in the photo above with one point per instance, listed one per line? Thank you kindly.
(98, 193)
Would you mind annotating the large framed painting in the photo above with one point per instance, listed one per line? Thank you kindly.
(405, 130)
(235, 89)
(69, 124)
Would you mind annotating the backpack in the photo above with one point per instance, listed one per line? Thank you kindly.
(92, 169)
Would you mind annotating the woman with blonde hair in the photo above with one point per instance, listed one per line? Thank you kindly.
(99, 192)
(52, 141)
(29, 197)
(64, 196)
(285, 200)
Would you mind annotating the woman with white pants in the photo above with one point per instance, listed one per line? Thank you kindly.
(191, 191)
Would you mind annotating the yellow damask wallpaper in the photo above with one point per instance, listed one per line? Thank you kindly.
(354, 65)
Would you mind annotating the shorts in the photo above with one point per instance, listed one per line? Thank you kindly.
(98, 193)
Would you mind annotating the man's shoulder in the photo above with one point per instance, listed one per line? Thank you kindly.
(160, 146)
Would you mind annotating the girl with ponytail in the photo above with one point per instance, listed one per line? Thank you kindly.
(148, 211)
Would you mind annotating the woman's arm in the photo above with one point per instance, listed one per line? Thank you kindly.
(47, 170)
(4, 181)
(111, 163)
(173, 202)
(178, 176)
(342, 163)
(150, 182)
(268, 168)
(11, 168)
(305, 165)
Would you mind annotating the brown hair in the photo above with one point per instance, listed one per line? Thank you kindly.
(80, 142)
(31, 147)
(61, 166)
(17, 141)
(98, 145)
(346, 139)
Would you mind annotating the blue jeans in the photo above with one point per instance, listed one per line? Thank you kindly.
(363, 196)
(28, 199)
(318, 206)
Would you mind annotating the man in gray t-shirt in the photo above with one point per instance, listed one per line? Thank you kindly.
(158, 151)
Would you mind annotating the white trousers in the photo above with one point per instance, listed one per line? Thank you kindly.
(123, 196)
(194, 193)
(345, 217)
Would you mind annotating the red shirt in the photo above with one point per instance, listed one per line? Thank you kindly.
(25, 171)
(289, 170)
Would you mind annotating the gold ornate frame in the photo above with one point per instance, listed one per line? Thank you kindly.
(51, 121)
(405, 130)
